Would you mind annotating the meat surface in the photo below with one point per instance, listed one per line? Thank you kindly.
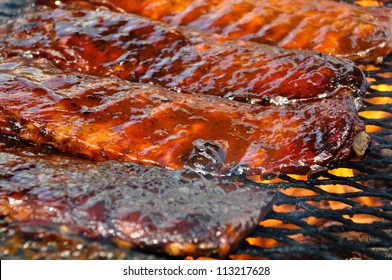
(20, 241)
(137, 49)
(112, 119)
(330, 27)
(174, 212)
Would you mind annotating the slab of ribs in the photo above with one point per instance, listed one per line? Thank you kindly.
(336, 28)
(137, 49)
(173, 212)
(160, 120)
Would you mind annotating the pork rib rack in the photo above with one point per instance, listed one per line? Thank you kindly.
(108, 118)
(331, 27)
(137, 49)
(174, 212)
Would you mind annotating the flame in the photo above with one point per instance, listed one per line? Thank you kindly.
(263, 242)
(368, 3)
(246, 257)
(382, 87)
(385, 75)
(277, 224)
(341, 189)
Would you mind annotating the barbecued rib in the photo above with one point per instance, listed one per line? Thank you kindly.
(175, 212)
(331, 27)
(108, 118)
(104, 43)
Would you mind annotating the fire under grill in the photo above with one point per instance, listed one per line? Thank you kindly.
(345, 213)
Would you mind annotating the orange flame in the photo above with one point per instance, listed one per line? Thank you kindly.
(368, 3)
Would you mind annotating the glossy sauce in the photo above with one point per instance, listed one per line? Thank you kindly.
(112, 119)
(331, 27)
(137, 49)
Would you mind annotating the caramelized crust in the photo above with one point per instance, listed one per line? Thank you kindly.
(104, 43)
(108, 118)
(175, 212)
(331, 27)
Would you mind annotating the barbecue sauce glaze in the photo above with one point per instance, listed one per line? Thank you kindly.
(331, 27)
(112, 119)
(137, 49)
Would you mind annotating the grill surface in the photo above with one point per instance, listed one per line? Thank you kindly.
(307, 221)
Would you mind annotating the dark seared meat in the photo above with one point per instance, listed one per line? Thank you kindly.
(331, 27)
(108, 118)
(175, 212)
(47, 242)
(137, 49)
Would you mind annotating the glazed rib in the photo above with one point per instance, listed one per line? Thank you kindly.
(104, 43)
(175, 212)
(330, 27)
(108, 118)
